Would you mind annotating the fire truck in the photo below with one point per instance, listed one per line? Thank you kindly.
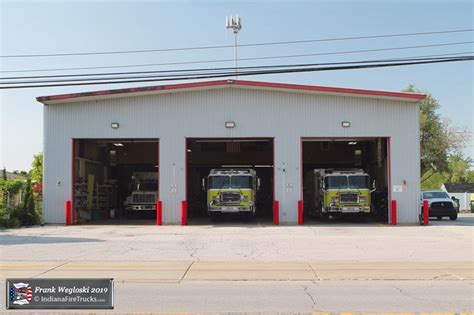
(144, 192)
(341, 191)
(231, 191)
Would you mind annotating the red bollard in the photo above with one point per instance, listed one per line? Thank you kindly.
(159, 213)
(184, 212)
(68, 212)
(276, 212)
(426, 212)
(300, 212)
(393, 218)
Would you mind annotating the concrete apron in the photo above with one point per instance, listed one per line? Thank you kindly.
(177, 271)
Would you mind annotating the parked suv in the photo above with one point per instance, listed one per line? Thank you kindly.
(440, 205)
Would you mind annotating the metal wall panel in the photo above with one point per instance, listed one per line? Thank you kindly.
(284, 116)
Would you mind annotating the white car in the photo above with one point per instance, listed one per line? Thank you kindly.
(440, 205)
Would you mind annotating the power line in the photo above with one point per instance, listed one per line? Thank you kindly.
(241, 45)
(413, 58)
(249, 73)
(201, 69)
(251, 58)
(359, 51)
(174, 63)
(107, 76)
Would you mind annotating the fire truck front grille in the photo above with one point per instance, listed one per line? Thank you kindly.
(230, 197)
(144, 198)
(349, 198)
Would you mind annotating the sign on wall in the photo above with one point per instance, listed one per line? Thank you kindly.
(397, 188)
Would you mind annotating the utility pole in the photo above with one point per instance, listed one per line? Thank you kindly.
(234, 24)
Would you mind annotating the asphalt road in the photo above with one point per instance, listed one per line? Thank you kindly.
(333, 296)
(295, 296)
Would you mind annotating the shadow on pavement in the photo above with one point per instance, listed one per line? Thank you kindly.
(239, 221)
(231, 221)
(346, 220)
(8, 239)
(120, 222)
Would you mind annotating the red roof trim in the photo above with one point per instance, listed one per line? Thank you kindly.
(333, 89)
(299, 87)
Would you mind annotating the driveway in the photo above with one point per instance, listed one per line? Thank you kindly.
(441, 241)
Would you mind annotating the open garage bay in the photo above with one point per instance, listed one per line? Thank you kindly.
(204, 155)
(337, 169)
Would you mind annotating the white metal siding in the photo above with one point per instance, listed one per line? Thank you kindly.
(284, 116)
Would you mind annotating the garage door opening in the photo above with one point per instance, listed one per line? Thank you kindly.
(115, 180)
(247, 157)
(346, 179)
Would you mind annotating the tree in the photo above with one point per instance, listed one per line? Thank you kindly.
(459, 171)
(13, 186)
(438, 139)
(31, 216)
(36, 173)
(28, 213)
(3, 189)
(470, 177)
(433, 141)
(433, 180)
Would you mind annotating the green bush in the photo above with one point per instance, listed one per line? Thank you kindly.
(14, 217)
(29, 216)
(24, 215)
(9, 217)
(4, 216)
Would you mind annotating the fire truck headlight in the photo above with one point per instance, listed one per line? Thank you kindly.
(335, 199)
(244, 198)
(363, 199)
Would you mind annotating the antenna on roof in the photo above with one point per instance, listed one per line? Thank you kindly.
(234, 24)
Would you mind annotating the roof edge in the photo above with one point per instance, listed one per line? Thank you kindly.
(257, 84)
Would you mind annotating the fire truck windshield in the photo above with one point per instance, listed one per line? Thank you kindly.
(226, 182)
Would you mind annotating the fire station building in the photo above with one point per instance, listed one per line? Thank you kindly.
(100, 147)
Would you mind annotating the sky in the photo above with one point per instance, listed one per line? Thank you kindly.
(34, 27)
